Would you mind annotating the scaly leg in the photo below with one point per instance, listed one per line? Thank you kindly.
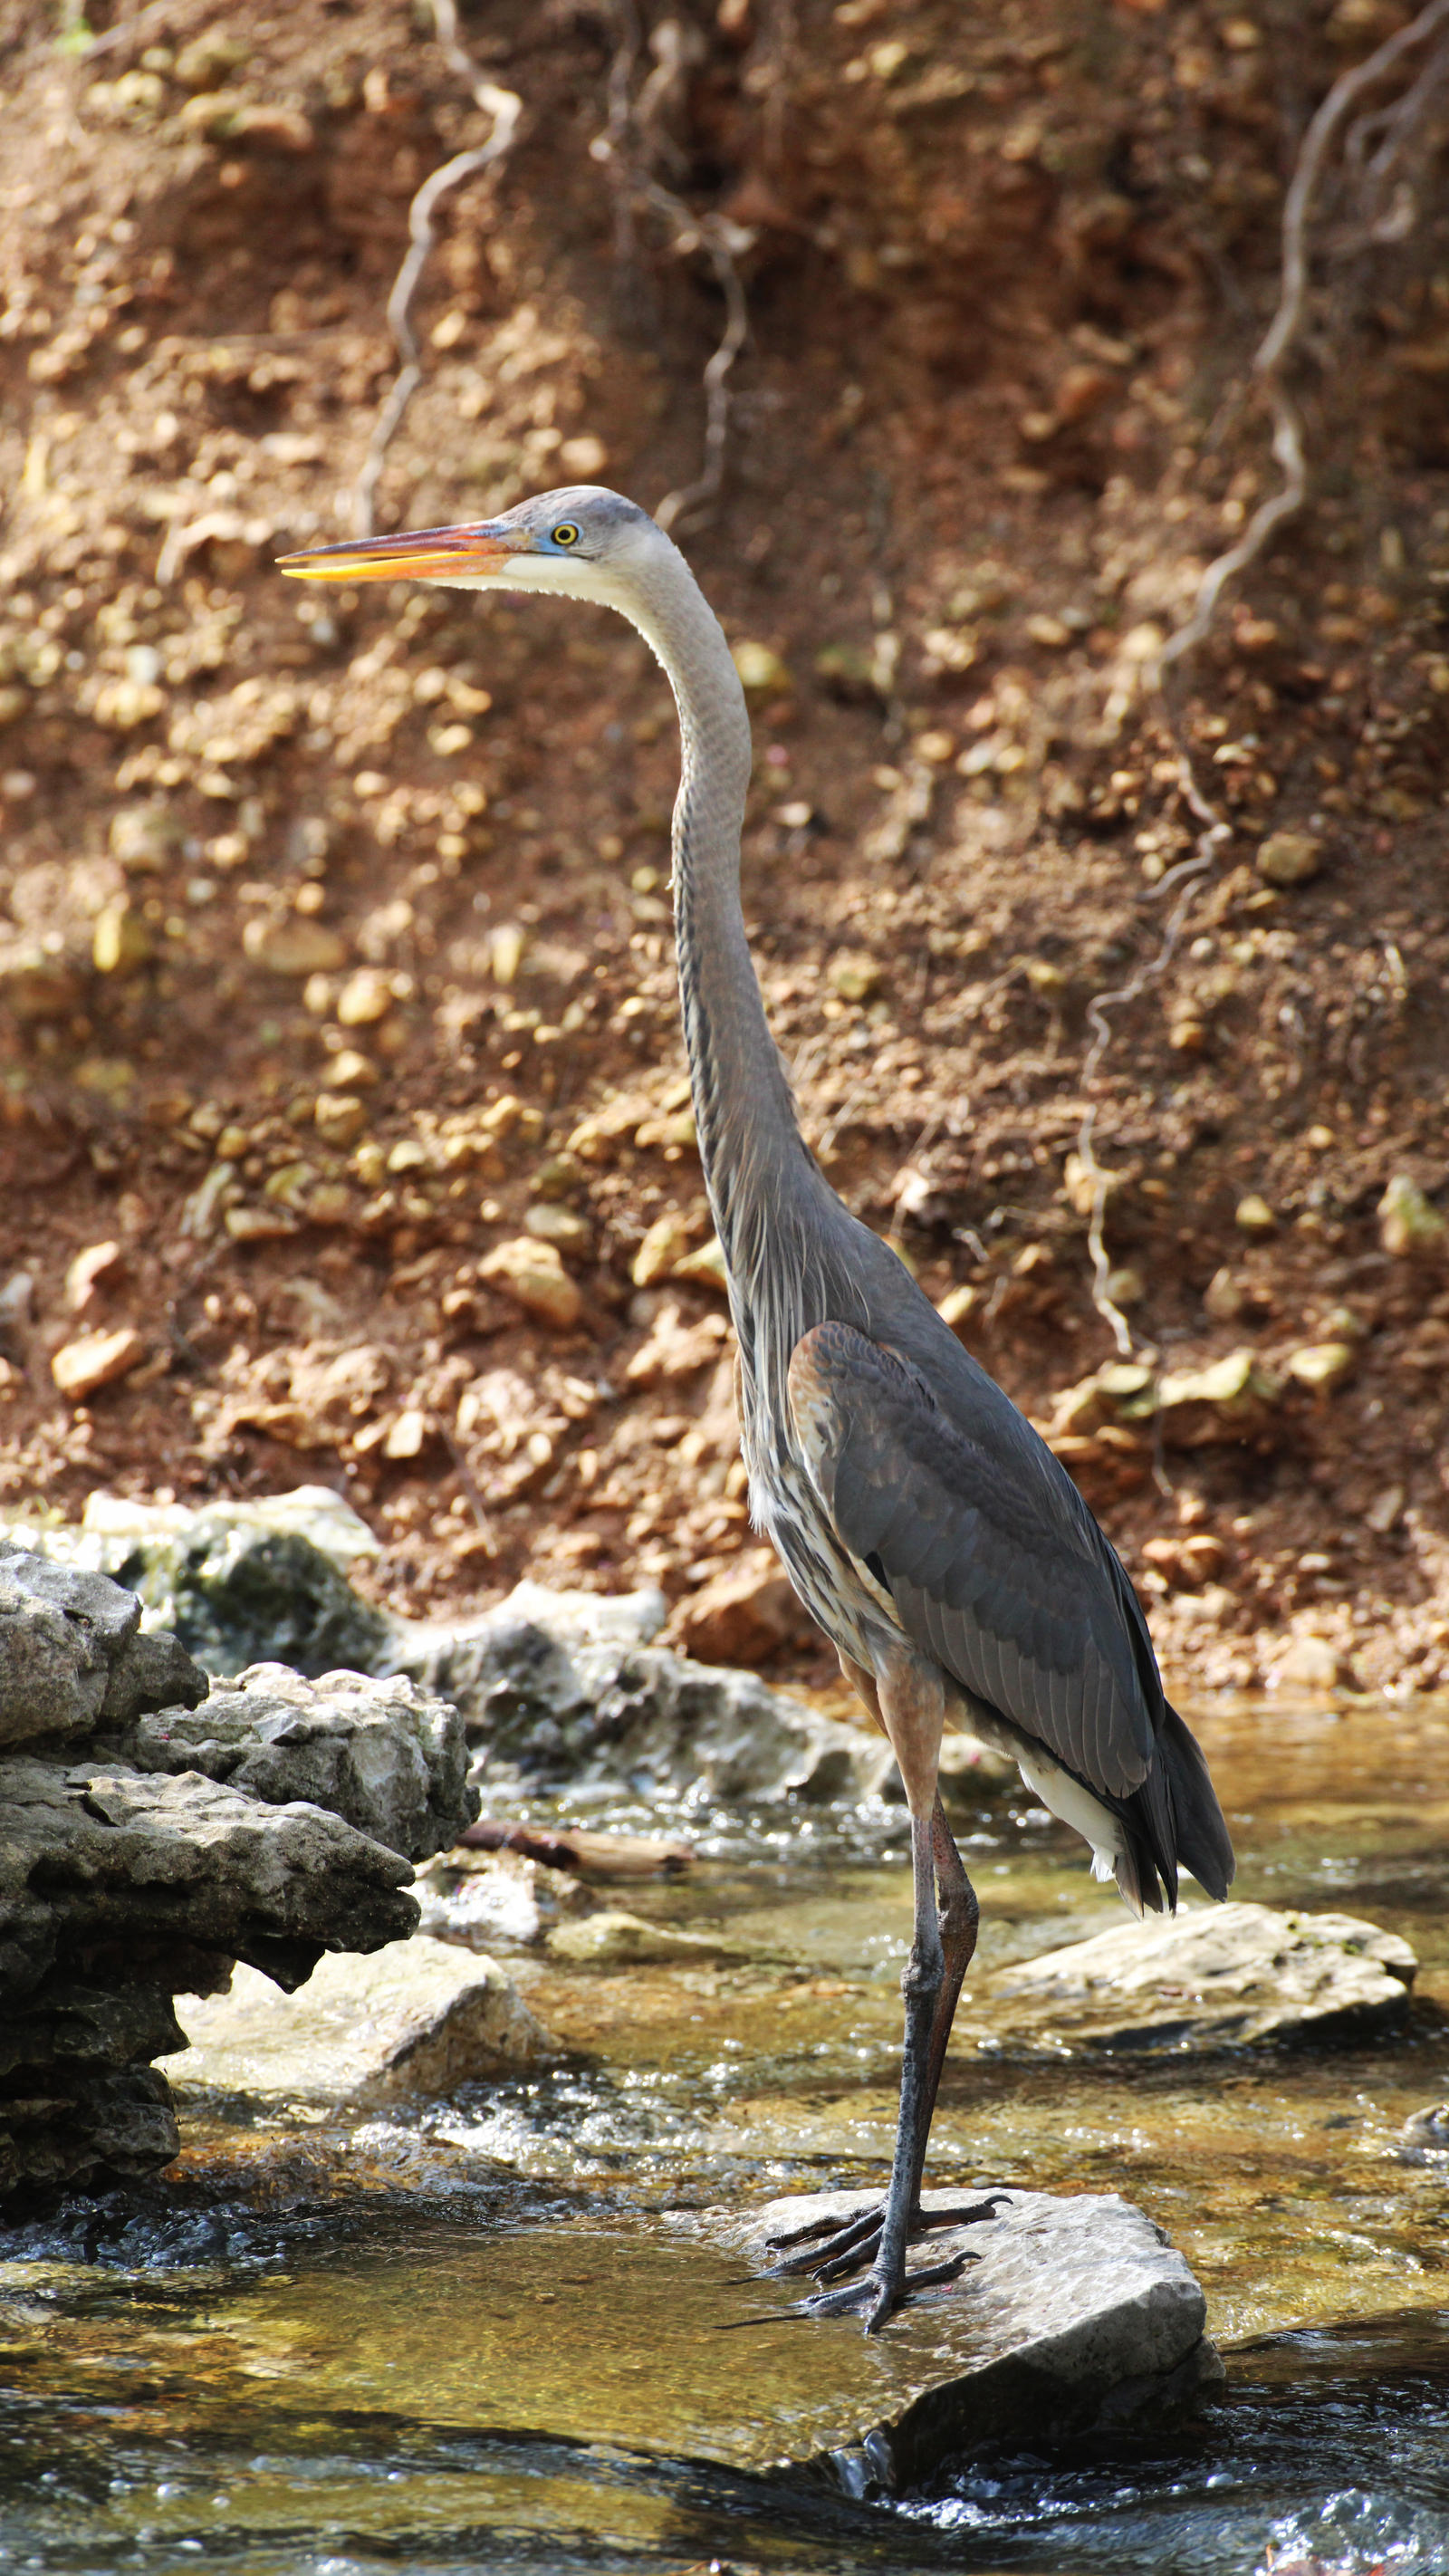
(941, 1951)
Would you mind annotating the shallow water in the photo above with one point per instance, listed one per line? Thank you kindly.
(487, 2336)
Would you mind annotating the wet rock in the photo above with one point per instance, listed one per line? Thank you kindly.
(1218, 1977)
(479, 1899)
(153, 1835)
(386, 1758)
(613, 1939)
(419, 2019)
(1069, 2316)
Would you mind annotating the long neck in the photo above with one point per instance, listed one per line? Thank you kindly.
(750, 1144)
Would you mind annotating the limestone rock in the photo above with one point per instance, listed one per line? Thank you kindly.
(94, 1360)
(614, 1939)
(1290, 858)
(1215, 1977)
(533, 1275)
(420, 2018)
(482, 1898)
(239, 1581)
(386, 1758)
(549, 1705)
(1075, 2315)
(70, 1655)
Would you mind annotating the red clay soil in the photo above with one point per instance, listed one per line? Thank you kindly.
(336, 952)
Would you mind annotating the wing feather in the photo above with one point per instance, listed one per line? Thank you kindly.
(990, 1563)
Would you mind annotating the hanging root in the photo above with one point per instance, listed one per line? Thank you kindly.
(505, 107)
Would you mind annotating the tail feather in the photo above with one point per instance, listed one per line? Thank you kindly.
(1203, 1843)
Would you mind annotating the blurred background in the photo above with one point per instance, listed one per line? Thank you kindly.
(343, 1120)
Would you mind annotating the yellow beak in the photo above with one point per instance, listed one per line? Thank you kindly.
(427, 554)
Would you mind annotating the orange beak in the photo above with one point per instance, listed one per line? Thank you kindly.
(427, 554)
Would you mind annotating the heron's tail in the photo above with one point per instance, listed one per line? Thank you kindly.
(1203, 1842)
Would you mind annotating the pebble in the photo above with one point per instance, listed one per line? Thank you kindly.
(1308, 1663)
(340, 1117)
(95, 1360)
(120, 942)
(613, 1939)
(1290, 858)
(762, 672)
(1254, 1215)
(533, 1275)
(666, 1244)
(1322, 1366)
(294, 947)
(351, 1071)
(98, 1266)
(145, 838)
(1410, 1226)
(547, 1222)
(365, 997)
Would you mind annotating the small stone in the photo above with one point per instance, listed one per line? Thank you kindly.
(705, 1267)
(1048, 631)
(1290, 858)
(959, 1305)
(407, 1435)
(99, 1266)
(1223, 1298)
(1238, 1390)
(210, 59)
(762, 673)
(547, 1222)
(1321, 1366)
(274, 127)
(145, 838)
(339, 1117)
(258, 1224)
(1308, 1663)
(855, 977)
(1254, 1215)
(1410, 1226)
(505, 952)
(96, 1360)
(665, 1245)
(351, 1071)
(533, 1275)
(1384, 1510)
(743, 1615)
(124, 704)
(294, 947)
(365, 997)
(120, 942)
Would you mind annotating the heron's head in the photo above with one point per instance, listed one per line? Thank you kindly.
(583, 542)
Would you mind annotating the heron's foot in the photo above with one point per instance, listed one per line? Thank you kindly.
(884, 2289)
(830, 2252)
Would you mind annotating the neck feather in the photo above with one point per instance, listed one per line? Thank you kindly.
(750, 1144)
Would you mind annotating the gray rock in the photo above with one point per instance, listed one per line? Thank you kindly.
(1215, 1977)
(1075, 2315)
(70, 1655)
(417, 2020)
(389, 1759)
(237, 1582)
(549, 1706)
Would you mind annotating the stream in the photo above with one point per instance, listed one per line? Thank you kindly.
(488, 2333)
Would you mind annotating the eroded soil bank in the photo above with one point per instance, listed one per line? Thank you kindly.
(335, 954)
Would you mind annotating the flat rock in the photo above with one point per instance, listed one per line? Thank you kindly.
(614, 1939)
(1075, 2315)
(416, 2020)
(1217, 1976)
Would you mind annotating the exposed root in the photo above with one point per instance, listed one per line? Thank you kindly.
(1374, 149)
(505, 107)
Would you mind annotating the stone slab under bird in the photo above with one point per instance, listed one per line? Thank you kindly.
(940, 1545)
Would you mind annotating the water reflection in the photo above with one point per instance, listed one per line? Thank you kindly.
(453, 2341)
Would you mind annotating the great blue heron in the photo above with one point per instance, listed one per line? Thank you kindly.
(942, 1548)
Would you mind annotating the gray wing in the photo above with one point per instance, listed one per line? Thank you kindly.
(988, 1553)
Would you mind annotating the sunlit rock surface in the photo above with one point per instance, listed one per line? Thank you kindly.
(1068, 2315)
(154, 1834)
(418, 2019)
(1213, 1977)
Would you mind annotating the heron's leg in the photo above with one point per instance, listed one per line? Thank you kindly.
(959, 1916)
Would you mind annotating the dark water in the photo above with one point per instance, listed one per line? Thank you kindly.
(485, 2337)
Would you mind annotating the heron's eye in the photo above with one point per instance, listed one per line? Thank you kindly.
(566, 534)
